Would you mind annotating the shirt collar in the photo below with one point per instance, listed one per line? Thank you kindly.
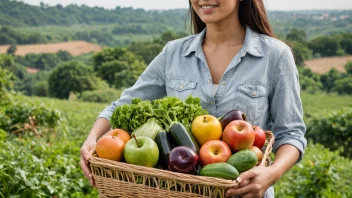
(252, 43)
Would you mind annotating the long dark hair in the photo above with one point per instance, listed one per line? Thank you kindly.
(250, 12)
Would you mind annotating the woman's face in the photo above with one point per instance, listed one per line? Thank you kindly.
(214, 11)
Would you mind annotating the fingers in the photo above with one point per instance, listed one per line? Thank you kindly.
(239, 191)
(248, 175)
(85, 155)
(243, 183)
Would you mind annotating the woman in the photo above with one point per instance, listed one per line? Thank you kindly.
(233, 61)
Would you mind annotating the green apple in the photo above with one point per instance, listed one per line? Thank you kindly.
(141, 151)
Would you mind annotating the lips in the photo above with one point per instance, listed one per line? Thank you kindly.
(208, 6)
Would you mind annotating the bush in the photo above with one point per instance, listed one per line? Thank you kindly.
(69, 77)
(40, 88)
(328, 79)
(103, 96)
(321, 173)
(333, 131)
(309, 81)
(343, 85)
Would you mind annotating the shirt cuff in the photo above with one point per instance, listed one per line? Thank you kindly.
(300, 144)
(105, 114)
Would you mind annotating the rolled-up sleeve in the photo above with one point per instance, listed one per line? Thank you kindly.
(286, 105)
(150, 85)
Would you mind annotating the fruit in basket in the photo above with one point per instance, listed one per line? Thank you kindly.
(141, 151)
(243, 160)
(110, 147)
(182, 137)
(260, 137)
(182, 159)
(258, 152)
(214, 151)
(232, 115)
(206, 128)
(163, 140)
(239, 135)
(220, 170)
(120, 133)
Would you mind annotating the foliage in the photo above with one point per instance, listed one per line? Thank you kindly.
(102, 96)
(130, 117)
(325, 46)
(297, 35)
(118, 66)
(328, 79)
(40, 88)
(301, 53)
(70, 76)
(309, 80)
(321, 173)
(343, 85)
(31, 167)
(348, 68)
(12, 50)
(333, 130)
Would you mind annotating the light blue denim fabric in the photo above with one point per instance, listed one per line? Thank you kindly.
(261, 80)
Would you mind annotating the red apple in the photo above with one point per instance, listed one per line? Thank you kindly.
(183, 160)
(239, 135)
(214, 151)
(260, 137)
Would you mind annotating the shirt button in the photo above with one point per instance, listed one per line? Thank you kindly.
(180, 87)
(254, 93)
(209, 81)
(224, 83)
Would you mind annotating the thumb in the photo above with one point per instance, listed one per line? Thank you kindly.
(248, 175)
(85, 153)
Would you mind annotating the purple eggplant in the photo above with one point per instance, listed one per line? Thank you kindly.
(232, 115)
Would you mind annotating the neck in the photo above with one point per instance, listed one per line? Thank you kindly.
(227, 32)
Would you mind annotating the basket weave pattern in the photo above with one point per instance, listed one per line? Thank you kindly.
(118, 179)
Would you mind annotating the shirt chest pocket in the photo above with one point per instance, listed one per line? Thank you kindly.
(252, 99)
(180, 88)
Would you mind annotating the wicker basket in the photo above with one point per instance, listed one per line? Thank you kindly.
(118, 179)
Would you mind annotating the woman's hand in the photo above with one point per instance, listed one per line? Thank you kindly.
(255, 182)
(85, 155)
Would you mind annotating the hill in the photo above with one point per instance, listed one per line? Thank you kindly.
(75, 48)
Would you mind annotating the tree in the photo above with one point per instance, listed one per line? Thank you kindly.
(64, 55)
(346, 43)
(329, 79)
(325, 46)
(12, 50)
(297, 35)
(348, 67)
(301, 53)
(69, 77)
(118, 66)
(46, 61)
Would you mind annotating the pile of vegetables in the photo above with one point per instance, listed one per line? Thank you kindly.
(165, 112)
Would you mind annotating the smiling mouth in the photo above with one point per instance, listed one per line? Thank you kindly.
(208, 6)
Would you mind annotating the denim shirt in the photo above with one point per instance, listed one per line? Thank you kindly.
(261, 81)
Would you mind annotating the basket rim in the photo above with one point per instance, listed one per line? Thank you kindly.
(154, 172)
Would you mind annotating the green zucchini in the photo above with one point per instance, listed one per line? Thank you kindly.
(220, 170)
(243, 160)
(163, 140)
(182, 137)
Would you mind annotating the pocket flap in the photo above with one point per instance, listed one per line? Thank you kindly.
(253, 91)
(181, 85)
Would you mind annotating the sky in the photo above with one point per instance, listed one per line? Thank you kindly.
(172, 4)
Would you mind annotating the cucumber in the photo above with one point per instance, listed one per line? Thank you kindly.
(220, 170)
(181, 137)
(243, 160)
(163, 140)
